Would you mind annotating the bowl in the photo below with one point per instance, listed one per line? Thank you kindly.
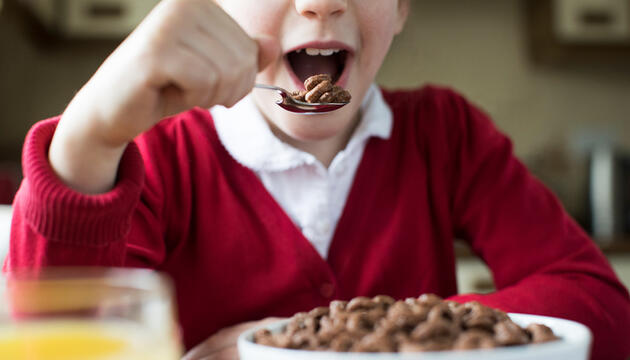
(574, 344)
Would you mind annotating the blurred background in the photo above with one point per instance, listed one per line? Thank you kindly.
(553, 74)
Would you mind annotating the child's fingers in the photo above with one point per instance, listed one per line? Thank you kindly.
(237, 76)
(210, 70)
(268, 50)
(195, 78)
(234, 55)
(244, 87)
(222, 48)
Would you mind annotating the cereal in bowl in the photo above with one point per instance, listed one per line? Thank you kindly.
(381, 324)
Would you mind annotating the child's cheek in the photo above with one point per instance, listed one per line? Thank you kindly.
(257, 17)
(377, 24)
(379, 18)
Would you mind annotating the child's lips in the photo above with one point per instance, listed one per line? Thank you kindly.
(322, 45)
(298, 75)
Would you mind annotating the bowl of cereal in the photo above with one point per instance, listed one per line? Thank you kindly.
(424, 328)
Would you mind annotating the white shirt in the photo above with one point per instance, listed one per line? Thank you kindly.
(311, 195)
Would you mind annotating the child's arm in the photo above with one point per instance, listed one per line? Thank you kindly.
(186, 53)
(542, 262)
(84, 199)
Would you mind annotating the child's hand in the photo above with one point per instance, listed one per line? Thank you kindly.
(222, 345)
(186, 53)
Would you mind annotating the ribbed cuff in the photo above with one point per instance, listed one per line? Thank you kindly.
(62, 214)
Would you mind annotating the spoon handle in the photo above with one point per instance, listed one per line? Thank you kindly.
(270, 87)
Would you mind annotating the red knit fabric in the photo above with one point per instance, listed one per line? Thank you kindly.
(183, 206)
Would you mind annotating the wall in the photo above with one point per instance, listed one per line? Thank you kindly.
(38, 75)
(552, 114)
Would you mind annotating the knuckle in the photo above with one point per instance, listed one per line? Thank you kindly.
(252, 63)
(234, 98)
(251, 43)
(208, 99)
(251, 47)
(249, 82)
(178, 4)
(208, 95)
(211, 80)
(247, 68)
(192, 98)
(231, 102)
(232, 76)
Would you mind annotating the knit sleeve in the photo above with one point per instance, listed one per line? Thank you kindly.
(54, 225)
(541, 260)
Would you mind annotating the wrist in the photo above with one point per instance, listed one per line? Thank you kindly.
(81, 159)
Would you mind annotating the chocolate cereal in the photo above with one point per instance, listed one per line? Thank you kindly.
(381, 324)
(320, 89)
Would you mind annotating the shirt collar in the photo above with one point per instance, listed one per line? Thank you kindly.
(246, 135)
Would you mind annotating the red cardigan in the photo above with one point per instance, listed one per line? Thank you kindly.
(184, 206)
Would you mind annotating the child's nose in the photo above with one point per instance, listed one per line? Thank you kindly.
(320, 9)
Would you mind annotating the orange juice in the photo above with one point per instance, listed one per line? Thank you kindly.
(83, 340)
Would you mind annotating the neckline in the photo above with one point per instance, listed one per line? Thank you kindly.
(317, 269)
(263, 151)
(307, 257)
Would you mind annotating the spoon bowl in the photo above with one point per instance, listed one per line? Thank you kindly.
(290, 104)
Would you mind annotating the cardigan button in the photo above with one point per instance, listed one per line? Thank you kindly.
(327, 290)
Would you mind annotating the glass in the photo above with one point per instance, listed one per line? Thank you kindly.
(87, 314)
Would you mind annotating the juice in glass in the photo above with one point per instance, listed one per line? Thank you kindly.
(88, 318)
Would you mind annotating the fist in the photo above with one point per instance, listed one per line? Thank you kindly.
(186, 53)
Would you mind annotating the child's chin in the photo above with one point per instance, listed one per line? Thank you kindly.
(309, 128)
(318, 127)
(308, 131)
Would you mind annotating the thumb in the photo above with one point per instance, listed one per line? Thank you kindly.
(268, 50)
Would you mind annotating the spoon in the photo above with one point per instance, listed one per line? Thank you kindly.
(290, 104)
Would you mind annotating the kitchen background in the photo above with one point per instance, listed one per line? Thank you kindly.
(553, 74)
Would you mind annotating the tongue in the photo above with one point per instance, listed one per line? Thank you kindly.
(305, 65)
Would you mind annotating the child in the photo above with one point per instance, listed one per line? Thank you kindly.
(258, 212)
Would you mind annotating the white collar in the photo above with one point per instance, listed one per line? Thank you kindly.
(247, 137)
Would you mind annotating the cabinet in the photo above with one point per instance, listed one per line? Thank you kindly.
(102, 19)
(586, 32)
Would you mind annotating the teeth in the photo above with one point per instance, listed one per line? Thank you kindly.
(322, 52)
(326, 52)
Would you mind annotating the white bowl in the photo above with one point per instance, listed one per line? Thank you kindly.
(575, 344)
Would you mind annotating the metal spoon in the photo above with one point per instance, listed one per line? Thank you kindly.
(290, 104)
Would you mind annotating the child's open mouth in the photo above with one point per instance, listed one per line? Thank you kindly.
(305, 62)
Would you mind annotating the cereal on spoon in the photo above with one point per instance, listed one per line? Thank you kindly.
(320, 89)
